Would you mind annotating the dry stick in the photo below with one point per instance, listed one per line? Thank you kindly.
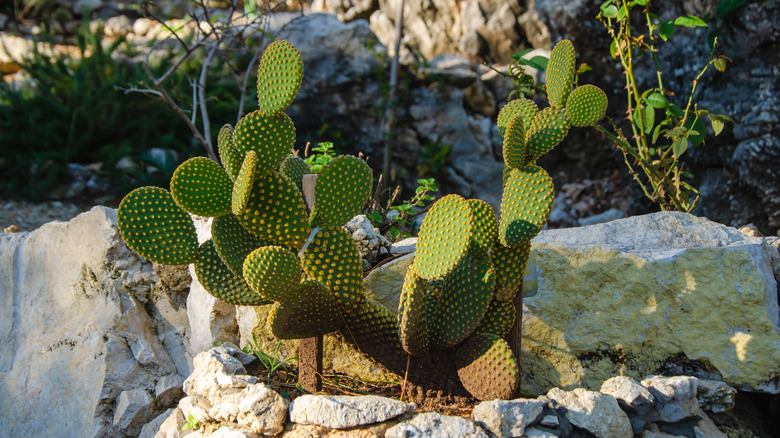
(310, 349)
(388, 120)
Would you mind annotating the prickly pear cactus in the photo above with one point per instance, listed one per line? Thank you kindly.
(458, 296)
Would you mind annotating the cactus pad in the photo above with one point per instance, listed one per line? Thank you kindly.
(587, 104)
(373, 330)
(233, 242)
(509, 263)
(154, 226)
(333, 259)
(221, 282)
(273, 272)
(201, 187)
(444, 237)
(293, 168)
(271, 138)
(525, 205)
(275, 211)
(515, 150)
(465, 295)
(525, 108)
(342, 189)
(278, 77)
(487, 368)
(228, 154)
(484, 227)
(498, 319)
(415, 309)
(560, 73)
(245, 180)
(310, 311)
(547, 129)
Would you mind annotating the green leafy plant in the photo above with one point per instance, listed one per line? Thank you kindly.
(192, 423)
(657, 143)
(398, 224)
(270, 363)
(322, 154)
(265, 247)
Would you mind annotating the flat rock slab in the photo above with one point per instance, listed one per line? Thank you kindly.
(339, 412)
(434, 425)
(508, 418)
(646, 295)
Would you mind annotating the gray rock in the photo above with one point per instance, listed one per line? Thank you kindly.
(384, 283)
(72, 329)
(339, 412)
(193, 407)
(151, 428)
(168, 390)
(255, 407)
(173, 426)
(715, 396)
(595, 412)
(118, 26)
(216, 370)
(675, 397)
(233, 432)
(534, 432)
(633, 398)
(434, 425)
(407, 245)
(370, 243)
(508, 418)
(133, 409)
(651, 289)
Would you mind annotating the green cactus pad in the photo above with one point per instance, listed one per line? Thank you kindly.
(487, 368)
(201, 187)
(293, 168)
(516, 154)
(228, 154)
(560, 73)
(525, 108)
(310, 311)
(333, 259)
(221, 282)
(547, 129)
(343, 188)
(233, 242)
(465, 295)
(275, 212)
(278, 77)
(509, 263)
(587, 104)
(415, 307)
(484, 228)
(498, 319)
(444, 237)
(373, 329)
(242, 188)
(271, 138)
(154, 226)
(273, 272)
(525, 205)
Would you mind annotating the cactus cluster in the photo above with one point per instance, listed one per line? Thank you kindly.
(459, 291)
(266, 247)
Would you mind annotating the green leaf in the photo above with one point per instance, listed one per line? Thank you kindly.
(717, 125)
(519, 55)
(584, 68)
(674, 110)
(657, 100)
(679, 146)
(613, 49)
(610, 11)
(656, 133)
(641, 2)
(649, 115)
(665, 30)
(689, 21)
(719, 64)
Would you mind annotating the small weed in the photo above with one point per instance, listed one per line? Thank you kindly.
(192, 423)
(270, 363)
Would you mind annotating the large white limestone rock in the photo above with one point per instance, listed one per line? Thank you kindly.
(80, 353)
(648, 295)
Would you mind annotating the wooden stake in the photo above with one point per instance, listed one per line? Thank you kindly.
(310, 349)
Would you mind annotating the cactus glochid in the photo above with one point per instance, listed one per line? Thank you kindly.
(267, 248)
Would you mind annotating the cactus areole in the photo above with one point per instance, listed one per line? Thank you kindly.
(266, 247)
